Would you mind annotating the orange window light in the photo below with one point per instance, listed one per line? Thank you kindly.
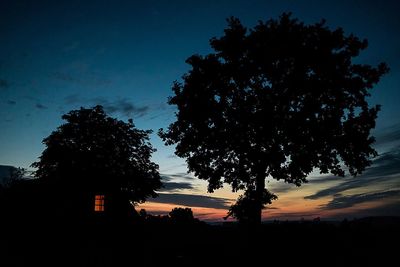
(99, 203)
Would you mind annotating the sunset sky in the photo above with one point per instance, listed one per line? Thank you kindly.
(56, 56)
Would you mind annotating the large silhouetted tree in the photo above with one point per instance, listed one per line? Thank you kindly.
(93, 150)
(274, 101)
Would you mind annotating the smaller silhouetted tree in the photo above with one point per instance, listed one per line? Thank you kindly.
(17, 197)
(92, 150)
(181, 215)
(14, 175)
(11, 184)
(247, 205)
(143, 213)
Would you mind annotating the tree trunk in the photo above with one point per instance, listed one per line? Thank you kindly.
(260, 186)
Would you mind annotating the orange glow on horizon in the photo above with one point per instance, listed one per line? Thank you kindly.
(201, 213)
(291, 205)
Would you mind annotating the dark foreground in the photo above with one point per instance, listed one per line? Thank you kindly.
(370, 242)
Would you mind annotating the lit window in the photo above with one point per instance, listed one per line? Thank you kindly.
(99, 203)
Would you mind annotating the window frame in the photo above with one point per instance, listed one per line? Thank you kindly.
(99, 203)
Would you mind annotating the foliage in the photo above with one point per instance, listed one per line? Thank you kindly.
(15, 175)
(278, 101)
(143, 213)
(247, 206)
(181, 215)
(92, 149)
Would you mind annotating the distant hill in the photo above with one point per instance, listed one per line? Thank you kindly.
(379, 220)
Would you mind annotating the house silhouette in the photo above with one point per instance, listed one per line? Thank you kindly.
(43, 200)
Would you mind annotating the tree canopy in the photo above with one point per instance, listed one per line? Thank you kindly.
(92, 149)
(182, 215)
(278, 100)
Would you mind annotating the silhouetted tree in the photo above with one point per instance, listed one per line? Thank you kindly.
(94, 150)
(8, 187)
(275, 101)
(143, 213)
(15, 175)
(247, 205)
(181, 215)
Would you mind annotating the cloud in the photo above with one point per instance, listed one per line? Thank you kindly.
(162, 110)
(384, 171)
(40, 106)
(339, 201)
(175, 187)
(279, 187)
(385, 165)
(192, 200)
(174, 167)
(4, 83)
(11, 102)
(171, 185)
(388, 135)
(180, 175)
(123, 105)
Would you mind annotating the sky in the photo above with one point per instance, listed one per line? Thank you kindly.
(56, 56)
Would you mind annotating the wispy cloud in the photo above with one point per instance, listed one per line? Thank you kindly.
(339, 201)
(388, 135)
(385, 165)
(279, 187)
(173, 186)
(192, 200)
(174, 167)
(379, 184)
(381, 171)
(11, 102)
(122, 105)
(40, 106)
(180, 175)
(385, 172)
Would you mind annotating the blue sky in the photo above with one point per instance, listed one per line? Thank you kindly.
(59, 55)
